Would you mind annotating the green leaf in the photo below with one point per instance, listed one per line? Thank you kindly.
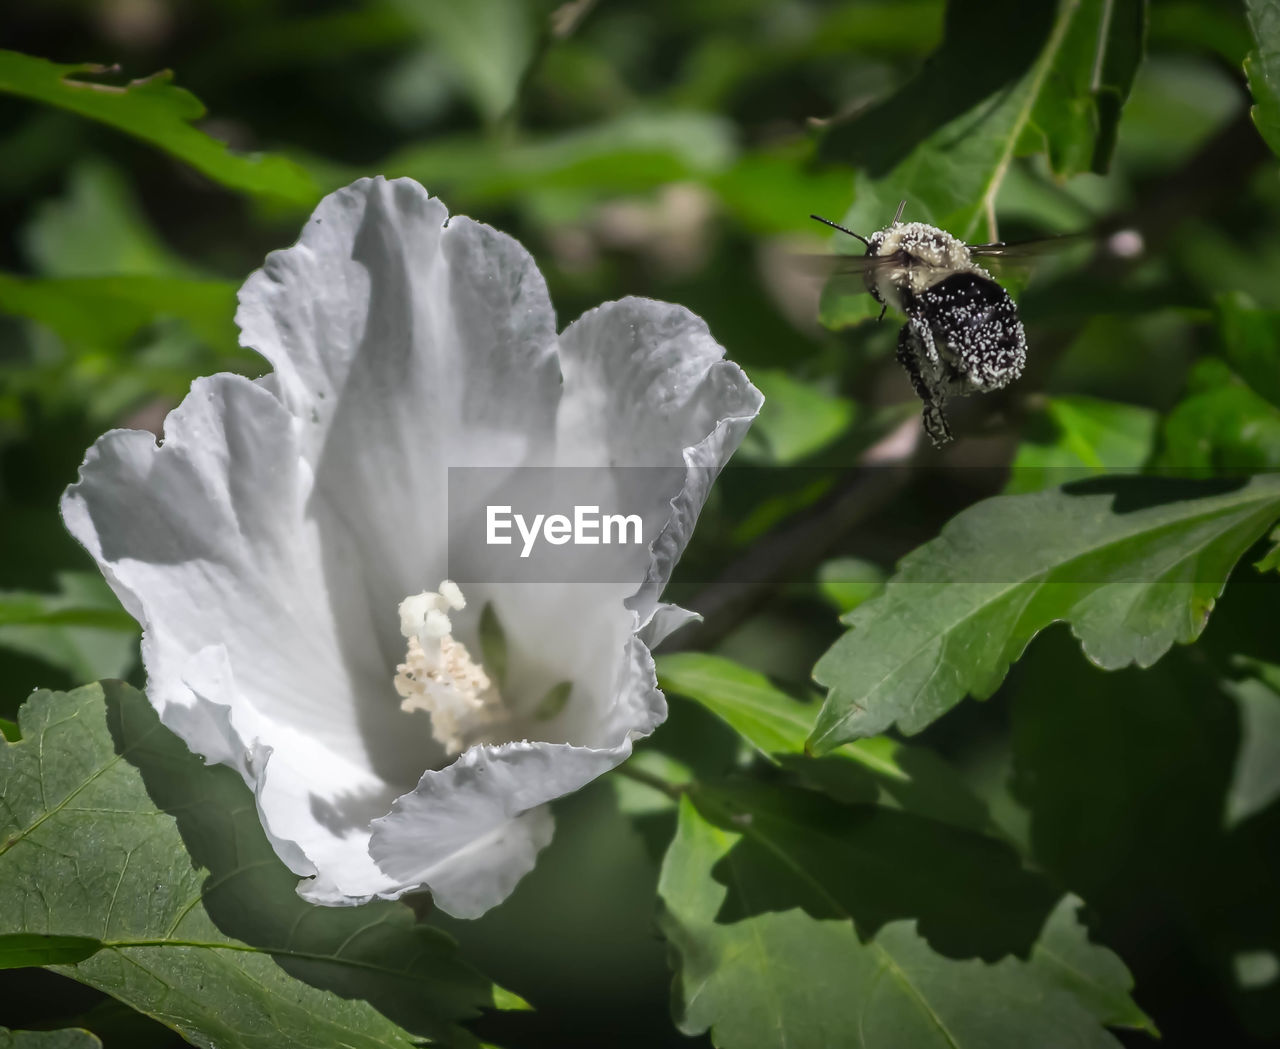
(82, 629)
(1223, 425)
(488, 43)
(9, 730)
(19, 950)
(493, 646)
(553, 702)
(1262, 67)
(114, 831)
(848, 581)
(68, 1038)
(1251, 343)
(882, 770)
(98, 230)
(105, 312)
(155, 111)
(1073, 437)
(1255, 782)
(1009, 78)
(797, 419)
(799, 922)
(1134, 564)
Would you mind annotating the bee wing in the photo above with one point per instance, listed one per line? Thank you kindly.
(831, 265)
(1019, 258)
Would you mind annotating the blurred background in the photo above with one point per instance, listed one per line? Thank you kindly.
(669, 149)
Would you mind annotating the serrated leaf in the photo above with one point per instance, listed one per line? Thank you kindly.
(802, 923)
(68, 1038)
(1073, 437)
(1262, 67)
(156, 111)
(1134, 564)
(114, 831)
(1008, 77)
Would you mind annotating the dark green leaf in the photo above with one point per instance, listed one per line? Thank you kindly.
(1074, 437)
(68, 1038)
(18, 950)
(882, 770)
(1134, 564)
(800, 922)
(1251, 340)
(1263, 68)
(200, 925)
(1007, 75)
(155, 111)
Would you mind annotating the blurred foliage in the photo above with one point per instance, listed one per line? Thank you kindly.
(677, 150)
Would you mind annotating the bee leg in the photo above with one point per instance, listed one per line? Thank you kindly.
(912, 357)
(883, 309)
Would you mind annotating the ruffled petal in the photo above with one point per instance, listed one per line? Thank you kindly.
(646, 385)
(460, 835)
(207, 541)
(405, 346)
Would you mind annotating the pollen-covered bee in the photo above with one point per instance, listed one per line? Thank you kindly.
(963, 333)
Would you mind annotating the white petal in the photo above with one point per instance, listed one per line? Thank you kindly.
(405, 347)
(208, 542)
(455, 833)
(645, 384)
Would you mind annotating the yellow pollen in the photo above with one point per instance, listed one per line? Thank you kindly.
(439, 676)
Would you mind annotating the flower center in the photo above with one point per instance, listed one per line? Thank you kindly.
(439, 675)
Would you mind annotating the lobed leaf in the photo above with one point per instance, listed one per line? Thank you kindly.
(799, 922)
(114, 833)
(1134, 564)
(156, 111)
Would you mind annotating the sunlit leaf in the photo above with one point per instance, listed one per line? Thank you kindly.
(1134, 564)
(1006, 75)
(115, 832)
(799, 922)
(848, 581)
(1074, 437)
(155, 111)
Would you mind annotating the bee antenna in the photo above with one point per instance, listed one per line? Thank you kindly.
(897, 216)
(842, 229)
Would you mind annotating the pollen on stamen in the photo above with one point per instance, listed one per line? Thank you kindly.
(439, 676)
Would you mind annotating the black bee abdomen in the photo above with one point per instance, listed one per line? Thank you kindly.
(976, 327)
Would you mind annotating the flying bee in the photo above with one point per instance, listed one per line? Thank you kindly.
(963, 333)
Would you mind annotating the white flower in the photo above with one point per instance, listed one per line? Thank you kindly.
(284, 547)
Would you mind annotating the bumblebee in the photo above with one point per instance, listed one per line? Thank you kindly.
(963, 333)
